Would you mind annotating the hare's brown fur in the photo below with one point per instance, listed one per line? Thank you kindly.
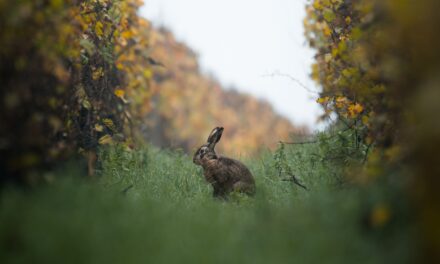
(224, 174)
(227, 175)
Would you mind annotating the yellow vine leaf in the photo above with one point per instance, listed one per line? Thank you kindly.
(98, 73)
(127, 34)
(341, 101)
(327, 57)
(365, 120)
(322, 100)
(354, 110)
(317, 5)
(329, 16)
(148, 74)
(315, 72)
(327, 31)
(99, 29)
(86, 104)
(99, 128)
(119, 66)
(119, 93)
(104, 140)
(109, 123)
(380, 215)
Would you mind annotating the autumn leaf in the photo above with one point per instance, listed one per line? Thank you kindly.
(148, 74)
(341, 101)
(119, 93)
(354, 110)
(380, 215)
(104, 140)
(318, 5)
(365, 120)
(109, 123)
(350, 72)
(127, 34)
(329, 15)
(99, 29)
(315, 72)
(99, 128)
(327, 57)
(119, 66)
(98, 73)
(323, 100)
(327, 31)
(86, 104)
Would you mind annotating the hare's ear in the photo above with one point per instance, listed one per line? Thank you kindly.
(215, 136)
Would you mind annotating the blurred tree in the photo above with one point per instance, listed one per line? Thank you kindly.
(378, 64)
(67, 70)
(188, 104)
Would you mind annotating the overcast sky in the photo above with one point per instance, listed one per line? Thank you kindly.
(242, 41)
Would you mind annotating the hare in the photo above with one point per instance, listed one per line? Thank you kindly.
(224, 174)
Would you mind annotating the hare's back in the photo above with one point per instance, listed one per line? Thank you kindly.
(236, 170)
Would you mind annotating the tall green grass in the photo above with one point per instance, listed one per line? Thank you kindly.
(153, 206)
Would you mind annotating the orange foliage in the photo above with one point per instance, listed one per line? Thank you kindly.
(189, 104)
(77, 74)
(70, 73)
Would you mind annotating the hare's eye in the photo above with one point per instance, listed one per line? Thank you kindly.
(203, 151)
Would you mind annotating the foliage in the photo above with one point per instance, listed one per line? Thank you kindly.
(169, 216)
(381, 59)
(36, 42)
(190, 104)
(77, 74)
(353, 84)
(67, 71)
(337, 150)
(110, 69)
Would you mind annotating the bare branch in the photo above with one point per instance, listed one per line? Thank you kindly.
(279, 74)
(295, 180)
(299, 143)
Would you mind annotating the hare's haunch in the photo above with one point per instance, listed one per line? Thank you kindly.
(224, 174)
